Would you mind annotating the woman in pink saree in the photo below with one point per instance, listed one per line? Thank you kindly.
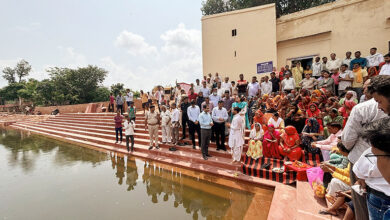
(271, 143)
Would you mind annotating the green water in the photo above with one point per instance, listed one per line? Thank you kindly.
(46, 179)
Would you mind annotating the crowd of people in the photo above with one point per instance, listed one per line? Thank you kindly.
(335, 109)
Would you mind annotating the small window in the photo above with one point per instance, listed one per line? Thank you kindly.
(235, 53)
(234, 32)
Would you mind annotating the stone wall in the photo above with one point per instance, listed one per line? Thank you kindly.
(81, 108)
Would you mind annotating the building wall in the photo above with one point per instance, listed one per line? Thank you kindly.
(344, 25)
(255, 41)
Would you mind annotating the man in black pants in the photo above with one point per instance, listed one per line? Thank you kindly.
(184, 117)
(193, 114)
(220, 116)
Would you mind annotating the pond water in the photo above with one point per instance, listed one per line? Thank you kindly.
(42, 178)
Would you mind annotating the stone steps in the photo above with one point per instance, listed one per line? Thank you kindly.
(97, 130)
(109, 129)
(139, 138)
(216, 161)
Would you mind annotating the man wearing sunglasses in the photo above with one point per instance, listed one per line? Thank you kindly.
(373, 171)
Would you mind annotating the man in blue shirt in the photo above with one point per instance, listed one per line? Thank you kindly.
(358, 59)
(205, 121)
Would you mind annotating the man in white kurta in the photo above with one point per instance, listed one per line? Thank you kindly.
(236, 138)
(165, 124)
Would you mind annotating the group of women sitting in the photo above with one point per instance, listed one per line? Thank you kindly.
(286, 125)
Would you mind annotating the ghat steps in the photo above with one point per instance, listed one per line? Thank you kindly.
(97, 130)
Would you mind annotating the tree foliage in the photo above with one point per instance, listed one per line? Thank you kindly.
(21, 70)
(65, 85)
(283, 7)
(214, 7)
(9, 75)
(118, 88)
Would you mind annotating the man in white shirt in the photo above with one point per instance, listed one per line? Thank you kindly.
(253, 88)
(333, 63)
(220, 90)
(209, 83)
(129, 97)
(193, 113)
(362, 114)
(227, 85)
(345, 78)
(220, 116)
(266, 86)
(205, 90)
(317, 68)
(175, 123)
(165, 124)
(214, 97)
(348, 58)
(374, 59)
(197, 87)
(288, 83)
(378, 134)
(385, 69)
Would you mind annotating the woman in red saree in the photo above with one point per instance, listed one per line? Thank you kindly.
(271, 143)
(314, 112)
(303, 105)
(289, 144)
(346, 110)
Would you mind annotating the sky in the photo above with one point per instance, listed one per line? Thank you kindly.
(139, 43)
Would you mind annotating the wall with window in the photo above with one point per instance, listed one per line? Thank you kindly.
(234, 42)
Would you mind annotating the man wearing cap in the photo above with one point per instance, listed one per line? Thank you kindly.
(184, 117)
(193, 113)
(152, 122)
(219, 116)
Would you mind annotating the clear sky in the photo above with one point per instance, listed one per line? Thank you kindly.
(140, 43)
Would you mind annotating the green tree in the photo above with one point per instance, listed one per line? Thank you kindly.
(78, 85)
(283, 7)
(10, 92)
(29, 90)
(210, 7)
(22, 69)
(102, 94)
(9, 75)
(118, 88)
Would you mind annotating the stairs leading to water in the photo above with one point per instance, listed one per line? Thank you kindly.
(97, 130)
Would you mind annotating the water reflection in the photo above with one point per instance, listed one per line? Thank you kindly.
(161, 187)
(26, 148)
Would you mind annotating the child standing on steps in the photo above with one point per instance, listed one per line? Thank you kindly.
(129, 126)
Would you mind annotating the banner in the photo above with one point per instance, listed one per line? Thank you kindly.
(265, 67)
